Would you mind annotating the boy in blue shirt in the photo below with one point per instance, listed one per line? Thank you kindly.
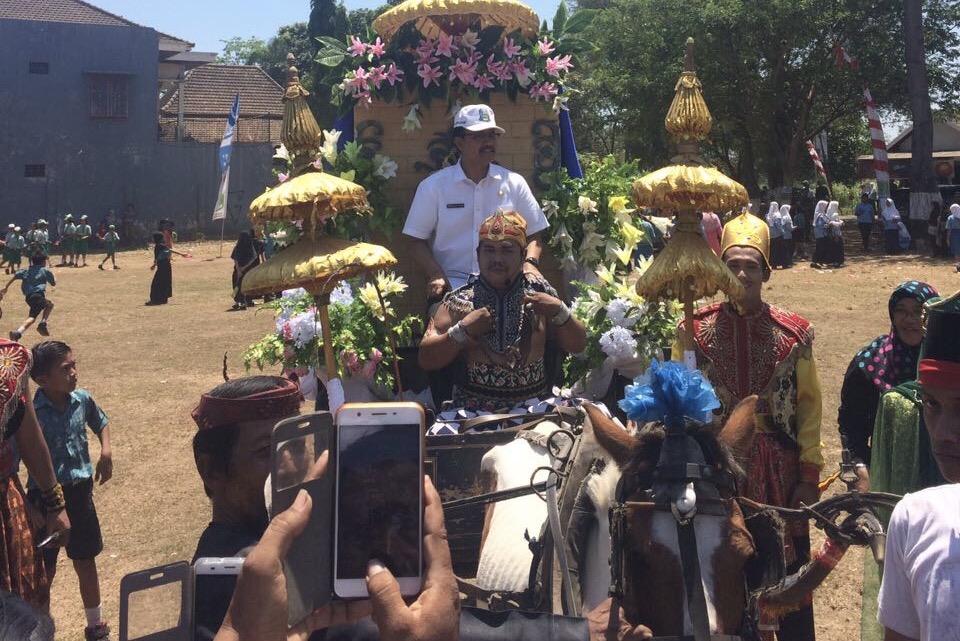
(64, 411)
(35, 279)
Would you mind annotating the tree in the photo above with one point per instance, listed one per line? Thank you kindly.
(240, 51)
(768, 69)
(923, 185)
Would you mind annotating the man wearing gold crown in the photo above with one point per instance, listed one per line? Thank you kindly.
(499, 321)
(752, 347)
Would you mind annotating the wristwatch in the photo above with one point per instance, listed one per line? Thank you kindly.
(533, 261)
(562, 316)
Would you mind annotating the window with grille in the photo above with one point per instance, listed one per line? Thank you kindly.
(34, 171)
(41, 68)
(108, 96)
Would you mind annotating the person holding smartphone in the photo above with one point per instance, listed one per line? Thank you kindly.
(499, 323)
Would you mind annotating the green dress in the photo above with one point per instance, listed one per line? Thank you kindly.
(901, 462)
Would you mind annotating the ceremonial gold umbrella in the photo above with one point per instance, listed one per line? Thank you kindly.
(316, 263)
(687, 269)
(308, 195)
(434, 18)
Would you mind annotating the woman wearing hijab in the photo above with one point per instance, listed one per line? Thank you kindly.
(835, 224)
(777, 249)
(891, 227)
(821, 235)
(786, 223)
(953, 231)
(161, 287)
(245, 257)
(890, 360)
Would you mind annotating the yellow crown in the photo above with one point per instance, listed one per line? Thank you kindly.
(505, 225)
(747, 230)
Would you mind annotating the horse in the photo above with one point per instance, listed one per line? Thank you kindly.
(653, 518)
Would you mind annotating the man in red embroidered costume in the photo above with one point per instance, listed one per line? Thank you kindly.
(751, 347)
(21, 564)
(499, 321)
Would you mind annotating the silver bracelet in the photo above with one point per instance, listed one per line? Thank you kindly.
(562, 315)
(458, 334)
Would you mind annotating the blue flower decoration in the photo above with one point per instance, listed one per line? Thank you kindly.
(668, 392)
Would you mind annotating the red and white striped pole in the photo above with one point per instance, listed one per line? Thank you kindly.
(881, 166)
(815, 157)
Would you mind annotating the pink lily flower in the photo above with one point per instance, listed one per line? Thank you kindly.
(357, 47)
(376, 76)
(557, 64)
(318, 164)
(509, 48)
(365, 98)
(376, 355)
(545, 47)
(369, 370)
(522, 72)
(545, 90)
(429, 74)
(445, 46)
(282, 176)
(463, 71)
(426, 48)
(377, 48)
(393, 75)
(358, 82)
(500, 70)
(482, 82)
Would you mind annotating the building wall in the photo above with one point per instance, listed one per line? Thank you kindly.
(946, 137)
(97, 164)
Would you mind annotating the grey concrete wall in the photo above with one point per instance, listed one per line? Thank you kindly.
(94, 164)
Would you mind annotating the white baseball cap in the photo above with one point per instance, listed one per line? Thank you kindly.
(476, 118)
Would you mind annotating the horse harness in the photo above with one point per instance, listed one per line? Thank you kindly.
(685, 486)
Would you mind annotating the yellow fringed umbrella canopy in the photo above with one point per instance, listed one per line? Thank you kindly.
(687, 269)
(312, 197)
(316, 265)
(434, 18)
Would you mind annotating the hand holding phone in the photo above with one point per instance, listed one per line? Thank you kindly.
(379, 495)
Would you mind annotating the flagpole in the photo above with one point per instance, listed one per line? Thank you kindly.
(220, 209)
(223, 222)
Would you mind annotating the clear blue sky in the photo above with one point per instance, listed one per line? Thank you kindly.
(207, 22)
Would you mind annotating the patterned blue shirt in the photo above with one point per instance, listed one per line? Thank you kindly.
(66, 435)
(35, 279)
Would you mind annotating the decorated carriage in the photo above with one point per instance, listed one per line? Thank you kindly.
(527, 493)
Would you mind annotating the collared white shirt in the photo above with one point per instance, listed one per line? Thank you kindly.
(448, 209)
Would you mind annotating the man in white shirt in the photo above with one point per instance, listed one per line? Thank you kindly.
(450, 205)
(920, 593)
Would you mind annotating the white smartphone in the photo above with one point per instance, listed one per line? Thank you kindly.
(214, 580)
(379, 495)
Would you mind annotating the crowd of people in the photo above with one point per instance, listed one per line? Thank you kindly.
(475, 229)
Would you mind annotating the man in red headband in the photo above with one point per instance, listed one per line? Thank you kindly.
(918, 597)
(232, 453)
(499, 322)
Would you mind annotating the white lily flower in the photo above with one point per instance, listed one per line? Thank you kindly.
(411, 121)
(386, 168)
(586, 205)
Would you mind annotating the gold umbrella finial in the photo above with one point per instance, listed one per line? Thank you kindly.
(688, 120)
(299, 132)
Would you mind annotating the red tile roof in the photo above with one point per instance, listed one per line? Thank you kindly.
(209, 91)
(69, 11)
(208, 97)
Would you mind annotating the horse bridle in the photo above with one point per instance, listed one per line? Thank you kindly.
(680, 474)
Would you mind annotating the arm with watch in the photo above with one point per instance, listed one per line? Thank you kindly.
(531, 261)
(446, 336)
(569, 332)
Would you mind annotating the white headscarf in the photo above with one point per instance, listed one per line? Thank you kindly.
(955, 210)
(889, 210)
(785, 213)
(833, 211)
(773, 213)
(820, 210)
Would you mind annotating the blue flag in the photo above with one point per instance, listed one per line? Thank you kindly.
(226, 146)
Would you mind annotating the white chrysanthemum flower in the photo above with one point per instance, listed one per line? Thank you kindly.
(619, 344)
(304, 328)
(368, 296)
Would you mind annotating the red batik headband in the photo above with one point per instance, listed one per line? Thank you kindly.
(279, 402)
(938, 373)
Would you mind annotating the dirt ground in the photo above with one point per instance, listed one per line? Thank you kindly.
(146, 366)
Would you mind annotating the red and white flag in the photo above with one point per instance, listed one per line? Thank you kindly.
(815, 157)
